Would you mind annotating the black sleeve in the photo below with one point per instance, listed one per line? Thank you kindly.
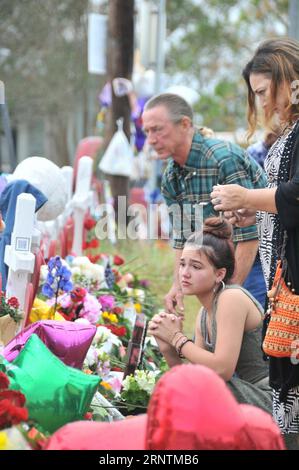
(287, 194)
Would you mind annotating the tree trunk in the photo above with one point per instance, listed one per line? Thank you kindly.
(120, 64)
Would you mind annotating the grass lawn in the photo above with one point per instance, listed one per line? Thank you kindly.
(153, 261)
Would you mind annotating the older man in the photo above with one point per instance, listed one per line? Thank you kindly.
(196, 165)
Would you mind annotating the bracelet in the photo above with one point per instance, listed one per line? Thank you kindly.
(179, 349)
(177, 341)
(173, 336)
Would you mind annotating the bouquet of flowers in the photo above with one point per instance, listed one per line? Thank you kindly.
(58, 279)
(78, 303)
(10, 316)
(136, 391)
(87, 274)
(10, 307)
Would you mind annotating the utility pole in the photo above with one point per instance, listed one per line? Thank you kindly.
(160, 55)
(294, 19)
(120, 64)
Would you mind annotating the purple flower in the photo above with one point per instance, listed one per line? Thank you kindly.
(47, 290)
(58, 279)
(107, 302)
(144, 283)
(65, 285)
(54, 262)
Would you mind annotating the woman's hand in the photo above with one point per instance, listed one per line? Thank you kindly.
(164, 325)
(164, 346)
(241, 217)
(229, 197)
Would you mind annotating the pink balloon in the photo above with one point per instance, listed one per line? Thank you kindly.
(69, 341)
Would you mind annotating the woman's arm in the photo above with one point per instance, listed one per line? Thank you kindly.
(232, 197)
(231, 316)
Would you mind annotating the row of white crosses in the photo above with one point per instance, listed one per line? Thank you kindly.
(25, 239)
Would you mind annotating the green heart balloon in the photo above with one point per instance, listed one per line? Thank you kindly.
(56, 394)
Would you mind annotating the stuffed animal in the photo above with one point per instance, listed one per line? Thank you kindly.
(47, 177)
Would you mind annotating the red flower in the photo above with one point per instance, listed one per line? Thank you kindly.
(4, 381)
(88, 416)
(118, 310)
(11, 414)
(94, 259)
(94, 243)
(117, 330)
(117, 275)
(14, 396)
(78, 294)
(85, 245)
(118, 260)
(89, 223)
(13, 302)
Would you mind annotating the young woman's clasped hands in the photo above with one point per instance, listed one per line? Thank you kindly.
(168, 331)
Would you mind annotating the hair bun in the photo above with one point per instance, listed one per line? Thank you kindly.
(220, 228)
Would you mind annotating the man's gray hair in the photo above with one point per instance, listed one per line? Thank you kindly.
(175, 105)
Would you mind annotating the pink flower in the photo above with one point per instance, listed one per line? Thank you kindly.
(91, 309)
(63, 301)
(116, 384)
(13, 302)
(122, 351)
(107, 302)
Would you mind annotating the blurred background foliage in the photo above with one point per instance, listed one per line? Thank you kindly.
(43, 55)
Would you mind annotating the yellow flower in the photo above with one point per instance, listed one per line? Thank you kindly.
(106, 385)
(138, 308)
(113, 318)
(105, 315)
(4, 441)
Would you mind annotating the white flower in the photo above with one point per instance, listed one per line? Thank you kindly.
(81, 261)
(146, 380)
(127, 382)
(101, 335)
(137, 294)
(91, 357)
(75, 270)
(98, 272)
(43, 272)
(104, 339)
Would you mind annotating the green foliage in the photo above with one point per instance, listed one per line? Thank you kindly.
(45, 65)
(211, 42)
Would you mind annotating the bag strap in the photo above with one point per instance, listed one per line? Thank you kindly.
(282, 264)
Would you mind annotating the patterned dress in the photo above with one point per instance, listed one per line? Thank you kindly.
(277, 165)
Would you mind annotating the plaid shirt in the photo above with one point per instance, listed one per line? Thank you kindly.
(210, 162)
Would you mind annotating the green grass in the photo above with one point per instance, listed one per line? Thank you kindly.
(153, 261)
